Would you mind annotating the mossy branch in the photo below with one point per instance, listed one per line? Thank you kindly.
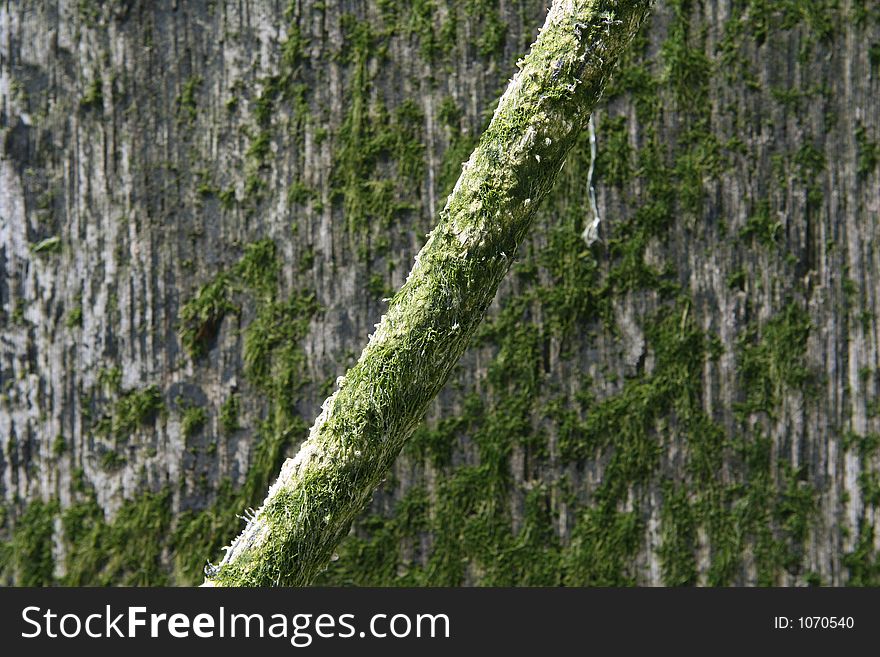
(382, 399)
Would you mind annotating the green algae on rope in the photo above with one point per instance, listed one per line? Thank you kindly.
(381, 400)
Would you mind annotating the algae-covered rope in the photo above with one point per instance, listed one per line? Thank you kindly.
(428, 324)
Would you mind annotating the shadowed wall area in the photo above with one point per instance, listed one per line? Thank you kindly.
(204, 204)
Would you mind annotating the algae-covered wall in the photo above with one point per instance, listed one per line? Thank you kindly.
(204, 204)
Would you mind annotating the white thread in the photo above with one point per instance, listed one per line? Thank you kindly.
(591, 232)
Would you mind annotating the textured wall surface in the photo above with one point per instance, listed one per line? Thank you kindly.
(203, 205)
